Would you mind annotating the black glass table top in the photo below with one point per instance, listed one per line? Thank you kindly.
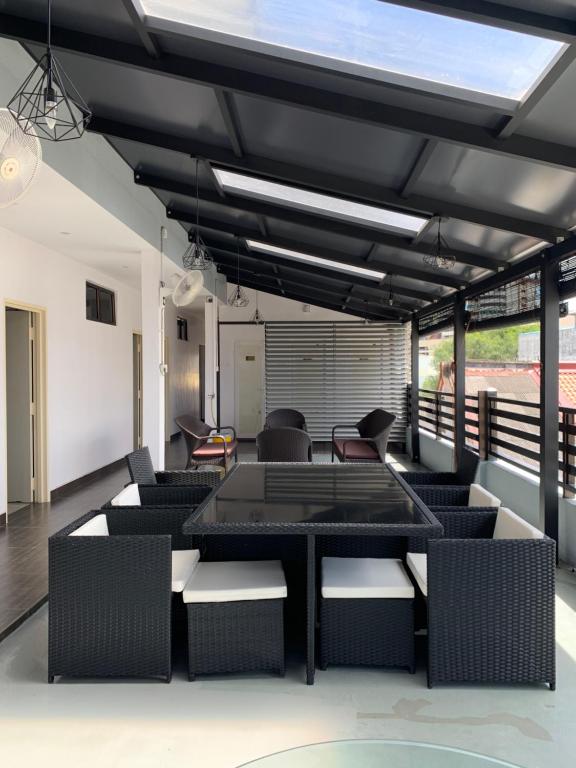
(309, 497)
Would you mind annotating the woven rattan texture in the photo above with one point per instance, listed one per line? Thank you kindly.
(369, 632)
(491, 611)
(242, 636)
(443, 495)
(110, 605)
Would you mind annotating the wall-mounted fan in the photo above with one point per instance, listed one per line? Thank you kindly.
(20, 159)
(188, 288)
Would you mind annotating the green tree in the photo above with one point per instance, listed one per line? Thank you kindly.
(497, 345)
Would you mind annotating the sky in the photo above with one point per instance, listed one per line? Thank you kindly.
(382, 36)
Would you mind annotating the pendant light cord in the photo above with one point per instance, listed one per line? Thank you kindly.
(49, 24)
(197, 211)
(238, 265)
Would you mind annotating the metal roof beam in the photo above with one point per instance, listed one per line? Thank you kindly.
(368, 287)
(228, 269)
(294, 94)
(313, 298)
(147, 39)
(315, 221)
(498, 14)
(439, 278)
(326, 182)
(231, 121)
(511, 124)
(296, 277)
(424, 157)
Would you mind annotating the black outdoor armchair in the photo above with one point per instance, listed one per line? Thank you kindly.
(490, 603)
(142, 472)
(285, 417)
(284, 444)
(374, 432)
(206, 444)
(110, 595)
(465, 475)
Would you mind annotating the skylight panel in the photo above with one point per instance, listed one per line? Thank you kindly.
(371, 38)
(336, 266)
(317, 203)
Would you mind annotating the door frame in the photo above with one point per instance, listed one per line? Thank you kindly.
(42, 492)
(137, 391)
(259, 343)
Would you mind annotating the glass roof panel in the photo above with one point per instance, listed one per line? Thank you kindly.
(337, 266)
(320, 204)
(377, 39)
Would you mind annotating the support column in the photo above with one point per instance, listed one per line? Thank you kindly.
(415, 391)
(153, 427)
(459, 380)
(549, 353)
(211, 363)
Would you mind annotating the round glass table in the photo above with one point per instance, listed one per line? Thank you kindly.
(372, 753)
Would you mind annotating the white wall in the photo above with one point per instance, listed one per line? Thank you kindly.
(278, 308)
(229, 336)
(89, 365)
(183, 365)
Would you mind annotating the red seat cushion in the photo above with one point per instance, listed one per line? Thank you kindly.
(214, 450)
(356, 449)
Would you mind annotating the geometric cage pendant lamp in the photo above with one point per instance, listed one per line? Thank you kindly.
(47, 102)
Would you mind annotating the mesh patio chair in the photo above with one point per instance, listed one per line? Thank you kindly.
(285, 417)
(284, 444)
(374, 432)
(142, 472)
(465, 475)
(198, 435)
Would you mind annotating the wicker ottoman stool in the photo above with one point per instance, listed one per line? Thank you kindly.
(235, 617)
(366, 613)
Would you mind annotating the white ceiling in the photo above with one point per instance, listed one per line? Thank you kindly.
(53, 206)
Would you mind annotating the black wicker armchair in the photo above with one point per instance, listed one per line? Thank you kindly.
(162, 496)
(465, 475)
(284, 444)
(456, 496)
(206, 444)
(285, 417)
(490, 603)
(110, 596)
(374, 432)
(142, 472)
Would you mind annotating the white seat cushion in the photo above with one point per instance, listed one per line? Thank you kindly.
(96, 526)
(361, 577)
(233, 581)
(418, 564)
(480, 497)
(509, 525)
(128, 497)
(184, 561)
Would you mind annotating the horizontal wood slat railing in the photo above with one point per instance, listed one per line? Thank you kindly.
(501, 427)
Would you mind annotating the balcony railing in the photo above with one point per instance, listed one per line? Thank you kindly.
(501, 427)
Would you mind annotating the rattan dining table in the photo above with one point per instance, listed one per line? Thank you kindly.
(312, 500)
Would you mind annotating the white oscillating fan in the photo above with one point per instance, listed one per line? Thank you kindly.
(188, 288)
(20, 159)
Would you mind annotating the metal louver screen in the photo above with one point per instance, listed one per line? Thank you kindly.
(567, 276)
(517, 298)
(436, 320)
(335, 373)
